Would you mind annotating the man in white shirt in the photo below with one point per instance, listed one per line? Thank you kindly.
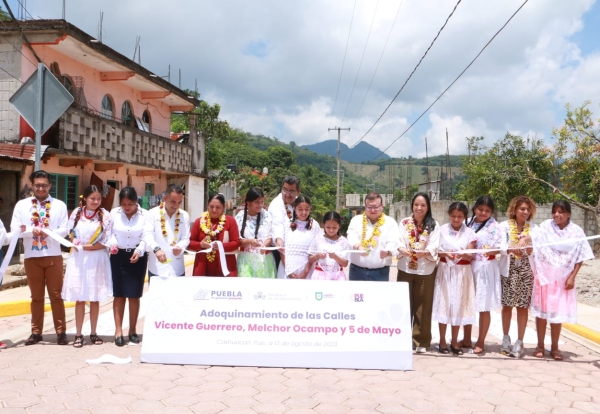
(282, 210)
(43, 258)
(167, 234)
(377, 235)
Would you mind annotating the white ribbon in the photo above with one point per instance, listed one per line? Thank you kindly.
(221, 250)
(14, 238)
(58, 238)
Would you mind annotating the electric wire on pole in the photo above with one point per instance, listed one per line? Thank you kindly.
(337, 188)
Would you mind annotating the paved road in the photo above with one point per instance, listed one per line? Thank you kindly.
(48, 378)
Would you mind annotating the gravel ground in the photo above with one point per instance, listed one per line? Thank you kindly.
(588, 283)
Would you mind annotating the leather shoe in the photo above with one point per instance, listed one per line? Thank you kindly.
(134, 338)
(119, 341)
(61, 339)
(33, 339)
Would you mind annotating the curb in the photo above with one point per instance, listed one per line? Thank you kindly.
(23, 307)
(584, 332)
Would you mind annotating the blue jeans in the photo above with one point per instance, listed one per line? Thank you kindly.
(374, 275)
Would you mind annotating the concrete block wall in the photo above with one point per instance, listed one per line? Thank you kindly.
(100, 138)
(10, 62)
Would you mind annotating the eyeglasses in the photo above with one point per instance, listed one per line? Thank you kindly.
(290, 192)
(373, 208)
(41, 186)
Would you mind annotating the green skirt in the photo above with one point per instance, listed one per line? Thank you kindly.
(256, 265)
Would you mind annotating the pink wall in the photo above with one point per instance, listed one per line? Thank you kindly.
(95, 89)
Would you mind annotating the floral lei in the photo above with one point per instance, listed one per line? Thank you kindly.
(371, 242)
(513, 233)
(40, 220)
(206, 227)
(163, 226)
(417, 238)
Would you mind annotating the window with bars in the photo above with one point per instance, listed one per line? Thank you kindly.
(65, 188)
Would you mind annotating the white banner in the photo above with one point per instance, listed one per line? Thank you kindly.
(14, 238)
(278, 323)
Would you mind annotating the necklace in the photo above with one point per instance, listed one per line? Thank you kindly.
(514, 233)
(40, 219)
(289, 213)
(417, 239)
(371, 242)
(211, 234)
(85, 213)
(163, 225)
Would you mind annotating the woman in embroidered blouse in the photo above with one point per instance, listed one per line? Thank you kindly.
(516, 271)
(454, 296)
(419, 240)
(554, 296)
(256, 231)
(127, 261)
(88, 275)
(327, 250)
(214, 225)
(486, 271)
(298, 237)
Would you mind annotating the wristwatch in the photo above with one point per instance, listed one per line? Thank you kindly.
(157, 248)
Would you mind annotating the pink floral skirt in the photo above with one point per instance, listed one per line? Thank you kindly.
(553, 302)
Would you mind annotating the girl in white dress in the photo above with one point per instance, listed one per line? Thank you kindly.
(297, 238)
(486, 269)
(327, 250)
(454, 294)
(256, 231)
(88, 276)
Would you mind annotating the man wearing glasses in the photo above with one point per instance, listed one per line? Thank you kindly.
(43, 258)
(377, 236)
(282, 210)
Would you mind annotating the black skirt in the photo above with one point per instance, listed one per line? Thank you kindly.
(128, 278)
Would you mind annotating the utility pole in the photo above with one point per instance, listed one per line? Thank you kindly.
(337, 191)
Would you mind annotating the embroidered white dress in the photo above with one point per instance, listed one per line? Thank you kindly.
(252, 262)
(454, 293)
(328, 268)
(486, 269)
(552, 266)
(88, 275)
(296, 245)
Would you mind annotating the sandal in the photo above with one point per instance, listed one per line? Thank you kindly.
(556, 355)
(461, 344)
(456, 351)
(78, 341)
(478, 350)
(538, 352)
(444, 351)
(96, 340)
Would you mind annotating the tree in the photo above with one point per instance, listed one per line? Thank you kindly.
(279, 157)
(578, 146)
(4, 16)
(505, 170)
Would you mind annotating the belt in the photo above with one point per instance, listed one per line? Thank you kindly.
(368, 268)
(317, 267)
(129, 250)
(492, 257)
(462, 262)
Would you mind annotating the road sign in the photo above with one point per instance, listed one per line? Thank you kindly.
(41, 100)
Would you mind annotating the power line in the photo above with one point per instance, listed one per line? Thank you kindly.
(454, 81)
(412, 73)
(377, 67)
(343, 63)
(361, 61)
(21, 30)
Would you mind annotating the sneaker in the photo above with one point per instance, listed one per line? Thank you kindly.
(517, 349)
(420, 350)
(3, 345)
(505, 350)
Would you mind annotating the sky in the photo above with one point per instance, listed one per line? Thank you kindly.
(274, 66)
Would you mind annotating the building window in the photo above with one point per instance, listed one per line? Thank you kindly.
(146, 121)
(114, 184)
(68, 84)
(107, 107)
(65, 188)
(127, 114)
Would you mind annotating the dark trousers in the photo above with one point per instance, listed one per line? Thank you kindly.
(374, 275)
(420, 292)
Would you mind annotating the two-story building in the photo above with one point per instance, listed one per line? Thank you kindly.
(115, 134)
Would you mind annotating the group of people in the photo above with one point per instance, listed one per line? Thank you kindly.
(455, 272)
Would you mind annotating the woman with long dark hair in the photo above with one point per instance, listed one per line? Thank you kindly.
(128, 262)
(419, 240)
(88, 275)
(327, 250)
(256, 231)
(212, 226)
